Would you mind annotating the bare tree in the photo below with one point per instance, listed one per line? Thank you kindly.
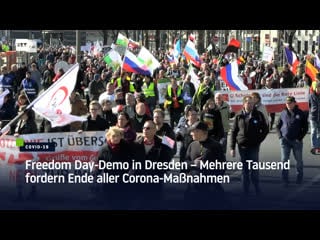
(200, 41)
(290, 37)
(188, 33)
(136, 35)
(105, 35)
(114, 35)
(157, 39)
(127, 33)
(147, 39)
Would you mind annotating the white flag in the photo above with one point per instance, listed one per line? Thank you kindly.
(113, 59)
(54, 103)
(2, 95)
(194, 77)
(148, 60)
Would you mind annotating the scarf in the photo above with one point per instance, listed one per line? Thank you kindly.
(114, 147)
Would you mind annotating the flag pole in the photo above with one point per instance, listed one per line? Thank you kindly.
(3, 130)
(52, 86)
(284, 52)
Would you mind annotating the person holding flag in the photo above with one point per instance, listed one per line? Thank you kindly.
(26, 125)
(54, 104)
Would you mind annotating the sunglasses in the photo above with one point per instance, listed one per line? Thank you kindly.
(147, 128)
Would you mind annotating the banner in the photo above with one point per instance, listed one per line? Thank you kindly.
(162, 85)
(267, 55)
(26, 45)
(70, 146)
(273, 99)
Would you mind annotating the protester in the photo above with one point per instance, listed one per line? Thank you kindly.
(292, 126)
(248, 131)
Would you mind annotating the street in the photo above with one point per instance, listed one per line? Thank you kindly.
(274, 195)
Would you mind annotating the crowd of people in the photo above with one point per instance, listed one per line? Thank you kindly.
(126, 106)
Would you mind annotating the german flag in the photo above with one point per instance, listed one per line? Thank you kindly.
(241, 60)
(311, 70)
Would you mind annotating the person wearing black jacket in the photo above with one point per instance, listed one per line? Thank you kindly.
(95, 122)
(249, 131)
(150, 147)
(26, 125)
(212, 117)
(292, 126)
(203, 148)
(164, 129)
(116, 150)
(182, 130)
(140, 117)
(107, 113)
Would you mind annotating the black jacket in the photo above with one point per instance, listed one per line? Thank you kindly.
(27, 127)
(248, 131)
(110, 117)
(138, 125)
(214, 121)
(158, 153)
(123, 154)
(208, 150)
(100, 124)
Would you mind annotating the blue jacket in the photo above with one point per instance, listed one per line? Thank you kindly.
(292, 126)
(314, 105)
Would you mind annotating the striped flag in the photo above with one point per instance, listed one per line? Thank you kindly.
(177, 51)
(311, 70)
(292, 60)
(132, 64)
(191, 54)
(168, 141)
(233, 46)
(2, 95)
(229, 74)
